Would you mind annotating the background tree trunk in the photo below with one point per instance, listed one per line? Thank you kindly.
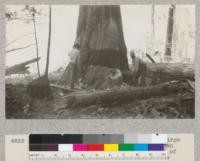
(153, 29)
(170, 27)
(101, 37)
(36, 43)
(49, 44)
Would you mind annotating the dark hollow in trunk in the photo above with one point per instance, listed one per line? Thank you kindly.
(106, 57)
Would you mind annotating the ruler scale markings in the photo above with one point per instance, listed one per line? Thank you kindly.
(155, 156)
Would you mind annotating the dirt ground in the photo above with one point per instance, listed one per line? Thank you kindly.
(20, 105)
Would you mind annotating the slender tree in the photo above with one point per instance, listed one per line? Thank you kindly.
(36, 43)
(40, 88)
(33, 12)
(49, 44)
(153, 28)
(170, 27)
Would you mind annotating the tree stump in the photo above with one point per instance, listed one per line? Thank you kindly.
(40, 88)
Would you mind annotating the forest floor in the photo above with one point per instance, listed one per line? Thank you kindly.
(20, 105)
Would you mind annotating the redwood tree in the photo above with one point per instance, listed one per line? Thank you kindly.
(101, 37)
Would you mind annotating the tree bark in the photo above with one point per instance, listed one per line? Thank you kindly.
(126, 95)
(101, 37)
(20, 68)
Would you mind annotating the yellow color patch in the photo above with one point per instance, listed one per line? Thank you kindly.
(111, 147)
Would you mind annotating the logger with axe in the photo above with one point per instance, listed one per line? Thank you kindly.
(139, 70)
(73, 54)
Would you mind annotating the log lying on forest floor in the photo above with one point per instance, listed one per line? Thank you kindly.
(20, 68)
(64, 88)
(126, 94)
(171, 71)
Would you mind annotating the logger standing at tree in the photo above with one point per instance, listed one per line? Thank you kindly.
(139, 70)
(73, 55)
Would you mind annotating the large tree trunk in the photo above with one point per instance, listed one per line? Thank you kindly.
(101, 37)
(126, 95)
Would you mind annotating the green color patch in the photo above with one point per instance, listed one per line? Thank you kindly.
(126, 147)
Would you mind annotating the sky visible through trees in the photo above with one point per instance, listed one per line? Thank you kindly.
(137, 30)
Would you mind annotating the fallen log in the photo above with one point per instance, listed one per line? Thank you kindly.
(20, 68)
(171, 71)
(63, 88)
(126, 94)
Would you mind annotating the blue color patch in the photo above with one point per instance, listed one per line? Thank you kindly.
(141, 147)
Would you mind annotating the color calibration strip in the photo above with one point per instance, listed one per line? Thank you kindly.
(96, 147)
(99, 142)
(97, 138)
